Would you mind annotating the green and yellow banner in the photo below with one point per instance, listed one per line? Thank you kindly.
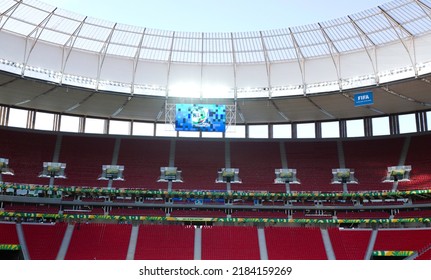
(212, 194)
(393, 253)
(10, 247)
(202, 219)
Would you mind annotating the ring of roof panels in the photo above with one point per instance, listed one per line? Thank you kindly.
(386, 43)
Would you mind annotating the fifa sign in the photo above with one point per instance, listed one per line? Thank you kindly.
(364, 98)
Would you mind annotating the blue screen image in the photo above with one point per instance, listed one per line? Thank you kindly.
(200, 117)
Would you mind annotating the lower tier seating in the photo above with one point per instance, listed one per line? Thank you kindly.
(93, 241)
(294, 243)
(230, 243)
(349, 244)
(44, 240)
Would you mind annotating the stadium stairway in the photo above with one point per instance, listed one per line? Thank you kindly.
(115, 156)
(132, 243)
(340, 150)
(422, 255)
(403, 157)
(22, 242)
(404, 151)
(341, 160)
(284, 161)
(171, 160)
(328, 245)
(56, 155)
(412, 257)
(227, 161)
(198, 244)
(262, 244)
(370, 247)
(283, 155)
(66, 241)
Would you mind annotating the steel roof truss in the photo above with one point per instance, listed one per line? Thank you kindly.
(11, 10)
(399, 29)
(70, 44)
(37, 31)
(102, 54)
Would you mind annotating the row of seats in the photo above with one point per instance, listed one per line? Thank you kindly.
(175, 242)
(276, 214)
(200, 159)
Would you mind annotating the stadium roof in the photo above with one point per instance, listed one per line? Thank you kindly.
(101, 68)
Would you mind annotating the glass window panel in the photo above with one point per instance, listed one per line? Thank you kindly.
(306, 130)
(44, 121)
(381, 126)
(69, 124)
(407, 123)
(330, 129)
(282, 131)
(94, 126)
(235, 131)
(143, 129)
(355, 128)
(17, 118)
(258, 131)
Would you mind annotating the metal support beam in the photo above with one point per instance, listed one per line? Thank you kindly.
(399, 28)
(425, 8)
(202, 66)
(37, 96)
(335, 53)
(10, 10)
(365, 38)
(136, 60)
(70, 44)
(234, 64)
(410, 99)
(168, 75)
(301, 60)
(267, 64)
(102, 55)
(41, 26)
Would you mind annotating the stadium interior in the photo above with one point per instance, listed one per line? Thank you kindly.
(288, 167)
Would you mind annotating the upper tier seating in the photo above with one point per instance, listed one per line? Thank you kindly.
(84, 157)
(313, 162)
(418, 158)
(199, 162)
(142, 160)
(370, 160)
(26, 151)
(256, 162)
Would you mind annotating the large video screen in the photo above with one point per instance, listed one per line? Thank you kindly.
(200, 117)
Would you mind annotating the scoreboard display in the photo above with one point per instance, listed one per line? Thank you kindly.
(200, 117)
